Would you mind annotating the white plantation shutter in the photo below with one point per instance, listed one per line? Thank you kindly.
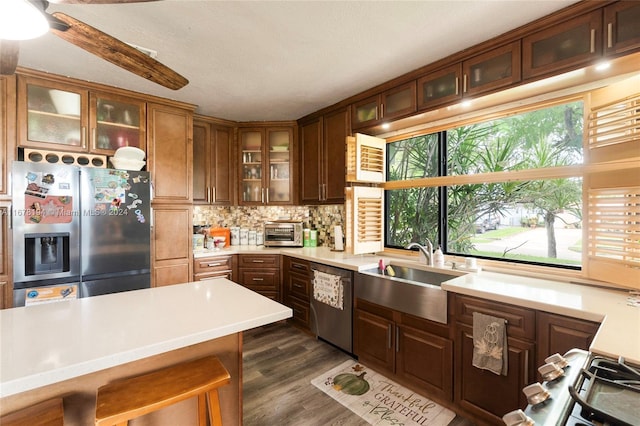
(613, 198)
(366, 159)
(365, 219)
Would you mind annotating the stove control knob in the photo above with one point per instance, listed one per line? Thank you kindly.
(517, 418)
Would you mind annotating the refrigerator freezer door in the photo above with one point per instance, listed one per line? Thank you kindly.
(115, 223)
(46, 222)
(115, 284)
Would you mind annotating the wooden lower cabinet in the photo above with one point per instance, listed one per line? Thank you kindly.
(171, 245)
(260, 273)
(209, 268)
(482, 393)
(297, 289)
(485, 394)
(407, 347)
(558, 334)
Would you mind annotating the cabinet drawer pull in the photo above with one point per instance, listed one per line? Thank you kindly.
(258, 279)
(298, 266)
(297, 285)
(593, 41)
(215, 264)
(609, 35)
(257, 261)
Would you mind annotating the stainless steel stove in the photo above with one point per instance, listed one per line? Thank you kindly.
(594, 390)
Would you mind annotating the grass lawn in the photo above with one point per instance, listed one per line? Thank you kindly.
(498, 234)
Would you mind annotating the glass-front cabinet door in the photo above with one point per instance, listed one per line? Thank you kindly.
(566, 46)
(440, 87)
(51, 115)
(492, 70)
(116, 122)
(622, 20)
(279, 153)
(251, 147)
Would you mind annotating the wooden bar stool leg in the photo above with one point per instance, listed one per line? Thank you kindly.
(202, 409)
(215, 417)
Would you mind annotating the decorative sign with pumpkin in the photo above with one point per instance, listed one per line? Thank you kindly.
(351, 384)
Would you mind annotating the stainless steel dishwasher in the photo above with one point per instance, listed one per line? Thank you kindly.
(332, 305)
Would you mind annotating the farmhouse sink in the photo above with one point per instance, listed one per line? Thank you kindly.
(412, 290)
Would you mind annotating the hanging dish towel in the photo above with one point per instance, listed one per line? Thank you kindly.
(328, 289)
(490, 350)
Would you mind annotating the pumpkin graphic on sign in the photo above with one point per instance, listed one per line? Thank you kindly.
(351, 384)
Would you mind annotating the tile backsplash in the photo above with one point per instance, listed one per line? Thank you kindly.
(322, 218)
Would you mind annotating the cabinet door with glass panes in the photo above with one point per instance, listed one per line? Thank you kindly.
(52, 115)
(116, 122)
(265, 165)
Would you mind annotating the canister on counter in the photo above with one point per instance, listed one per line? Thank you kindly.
(235, 236)
(244, 236)
(198, 241)
(313, 238)
(306, 237)
(252, 238)
(259, 238)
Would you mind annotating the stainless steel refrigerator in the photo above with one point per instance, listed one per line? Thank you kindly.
(78, 231)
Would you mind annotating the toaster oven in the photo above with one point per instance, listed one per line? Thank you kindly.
(283, 233)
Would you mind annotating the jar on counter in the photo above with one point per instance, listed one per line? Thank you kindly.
(235, 235)
(244, 236)
(252, 238)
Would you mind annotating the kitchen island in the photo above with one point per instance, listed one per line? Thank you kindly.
(68, 349)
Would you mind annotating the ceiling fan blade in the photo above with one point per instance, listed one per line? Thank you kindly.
(9, 50)
(117, 52)
(98, 1)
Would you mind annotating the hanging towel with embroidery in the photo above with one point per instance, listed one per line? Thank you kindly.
(490, 350)
(328, 289)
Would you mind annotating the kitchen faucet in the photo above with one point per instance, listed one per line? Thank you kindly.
(427, 250)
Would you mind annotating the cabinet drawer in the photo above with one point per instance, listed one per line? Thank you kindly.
(212, 264)
(260, 280)
(297, 266)
(259, 261)
(299, 286)
(215, 275)
(521, 322)
(301, 311)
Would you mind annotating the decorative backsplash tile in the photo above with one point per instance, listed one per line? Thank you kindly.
(322, 218)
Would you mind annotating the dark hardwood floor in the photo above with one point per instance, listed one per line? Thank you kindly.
(279, 363)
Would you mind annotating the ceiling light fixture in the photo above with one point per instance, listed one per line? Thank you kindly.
(21, 20)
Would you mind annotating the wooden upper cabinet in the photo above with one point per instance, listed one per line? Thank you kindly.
(213, 159)
(622, 26)
(116, 121)
(563, 47)
(336, 128)
(440, 87)
(311, 161)
(266, 158)
(388, 105)
(492, 70)
(52, 115)
(170, 153)
(60, 116)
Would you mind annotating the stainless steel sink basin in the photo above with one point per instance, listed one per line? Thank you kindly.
(413, 274)
(412, 290)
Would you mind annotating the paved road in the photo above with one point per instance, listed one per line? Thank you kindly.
(534, 242)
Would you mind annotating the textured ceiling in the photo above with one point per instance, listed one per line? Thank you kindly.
(273, 60)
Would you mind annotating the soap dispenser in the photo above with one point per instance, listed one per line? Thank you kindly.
(438, 258)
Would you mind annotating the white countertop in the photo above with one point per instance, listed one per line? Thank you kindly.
(45, 344)
(619, 334)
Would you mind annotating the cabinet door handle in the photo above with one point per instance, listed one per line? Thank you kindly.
(593, 41)
(258, 279)
(457, 85)
(262, 195)
(319, 192)
(381, 110)
(266, 190)
(397, 339)
(94, 136)
(389, 336)
(609, 35)
(526, 367)
(213, 195)
(464, 83)
(84, 136)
